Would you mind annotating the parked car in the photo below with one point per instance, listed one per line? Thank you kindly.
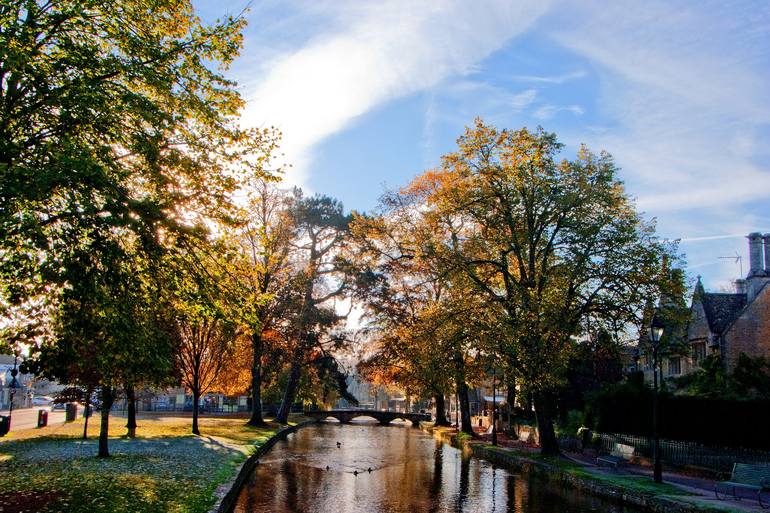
(62, 406)
(42, 400)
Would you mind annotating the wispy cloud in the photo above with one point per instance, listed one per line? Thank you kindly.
(548, 111)
(553, 79)
(378, 52)
(523, 99)
(688, 92)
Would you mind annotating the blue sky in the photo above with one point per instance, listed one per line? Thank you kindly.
(370, 93)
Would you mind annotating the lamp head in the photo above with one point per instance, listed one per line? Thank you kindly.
(656, 328)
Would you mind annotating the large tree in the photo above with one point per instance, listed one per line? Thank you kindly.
(323, 276)
(553, 243)
(108, 328)
(259, 272)
(426, 322)
(112, 114)
(119, 136)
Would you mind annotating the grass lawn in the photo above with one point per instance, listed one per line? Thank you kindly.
(164, 469)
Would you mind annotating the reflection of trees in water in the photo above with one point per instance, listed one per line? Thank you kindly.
(465, 469)
(513, 498)
(434, 490)
(289, 477)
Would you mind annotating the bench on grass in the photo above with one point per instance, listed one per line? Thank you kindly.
(754, 478)
(620, 454)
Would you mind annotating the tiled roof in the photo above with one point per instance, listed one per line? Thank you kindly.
(722, 309)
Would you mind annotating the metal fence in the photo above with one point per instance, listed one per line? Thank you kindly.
(675, 452)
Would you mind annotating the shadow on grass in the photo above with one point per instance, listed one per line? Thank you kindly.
(155, 474)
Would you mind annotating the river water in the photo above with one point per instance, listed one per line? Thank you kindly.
(410, 472)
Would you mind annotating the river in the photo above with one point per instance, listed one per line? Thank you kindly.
(394, 469)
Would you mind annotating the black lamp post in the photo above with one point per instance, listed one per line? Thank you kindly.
(656, 332)
(494, 408)
(13, 386)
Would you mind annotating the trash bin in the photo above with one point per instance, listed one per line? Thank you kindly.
(42, 418)
(5, 425)
(70, 412)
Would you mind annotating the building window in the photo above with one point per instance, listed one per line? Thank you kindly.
(674, 366)
(698, 353)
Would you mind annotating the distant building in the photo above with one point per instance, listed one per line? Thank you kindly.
(729, 324)
(722, 323)
(28, 385)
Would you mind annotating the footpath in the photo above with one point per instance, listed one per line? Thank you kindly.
(700, 487)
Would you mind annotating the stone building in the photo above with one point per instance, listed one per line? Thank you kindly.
(729, 324)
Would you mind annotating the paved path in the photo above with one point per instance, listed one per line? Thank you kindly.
(702, 487)
(26, 418)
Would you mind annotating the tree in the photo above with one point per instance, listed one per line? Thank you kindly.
(106, 330)
(259, 271)
(552, 243)
(111, 115)
(322, 276)
(429, 326)
(119, 138)
(205, 347)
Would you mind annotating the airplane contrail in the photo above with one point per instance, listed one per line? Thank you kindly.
(714, 237)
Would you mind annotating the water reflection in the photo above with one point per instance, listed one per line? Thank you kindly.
(410, 472)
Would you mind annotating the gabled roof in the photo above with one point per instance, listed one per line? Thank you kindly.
(722, 309)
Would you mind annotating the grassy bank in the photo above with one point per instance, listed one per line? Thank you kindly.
(163, 469)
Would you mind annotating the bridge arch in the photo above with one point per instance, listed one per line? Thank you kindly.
(383, 417)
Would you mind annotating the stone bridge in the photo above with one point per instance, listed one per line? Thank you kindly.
(383, 417)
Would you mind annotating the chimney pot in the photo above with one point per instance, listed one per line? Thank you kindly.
(766, 238)
(755, 254)
(740, 286)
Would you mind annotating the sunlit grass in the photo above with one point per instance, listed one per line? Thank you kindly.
(164, 469)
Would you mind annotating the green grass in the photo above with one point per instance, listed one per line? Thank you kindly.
(164, 469)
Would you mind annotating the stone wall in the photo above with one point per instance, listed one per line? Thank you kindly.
(750, 333)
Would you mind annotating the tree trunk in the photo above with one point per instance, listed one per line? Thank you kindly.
(290, 392)
(196, 402)
(256, 382)
(87, 411)
(511, 400)
(466, 425)
(131, 424)
(544, 414)
(104, 430)
(441, 419)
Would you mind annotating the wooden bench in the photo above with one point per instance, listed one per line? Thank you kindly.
(620, 454)
(754, 478)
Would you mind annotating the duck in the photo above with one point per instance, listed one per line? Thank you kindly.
(355, 472)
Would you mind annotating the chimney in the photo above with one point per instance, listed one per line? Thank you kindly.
(740, 286)
(755, 254)
(766, 238)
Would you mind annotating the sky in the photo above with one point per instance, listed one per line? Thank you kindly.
(368, 94)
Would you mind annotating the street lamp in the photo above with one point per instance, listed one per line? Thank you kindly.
(494, 408)
(13, 386)
(656, 332)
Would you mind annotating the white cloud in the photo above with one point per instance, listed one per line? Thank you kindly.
(684, 95)
(548, 111)
(554, 79)
(688, 90)
(376, 52)
(523, 99)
